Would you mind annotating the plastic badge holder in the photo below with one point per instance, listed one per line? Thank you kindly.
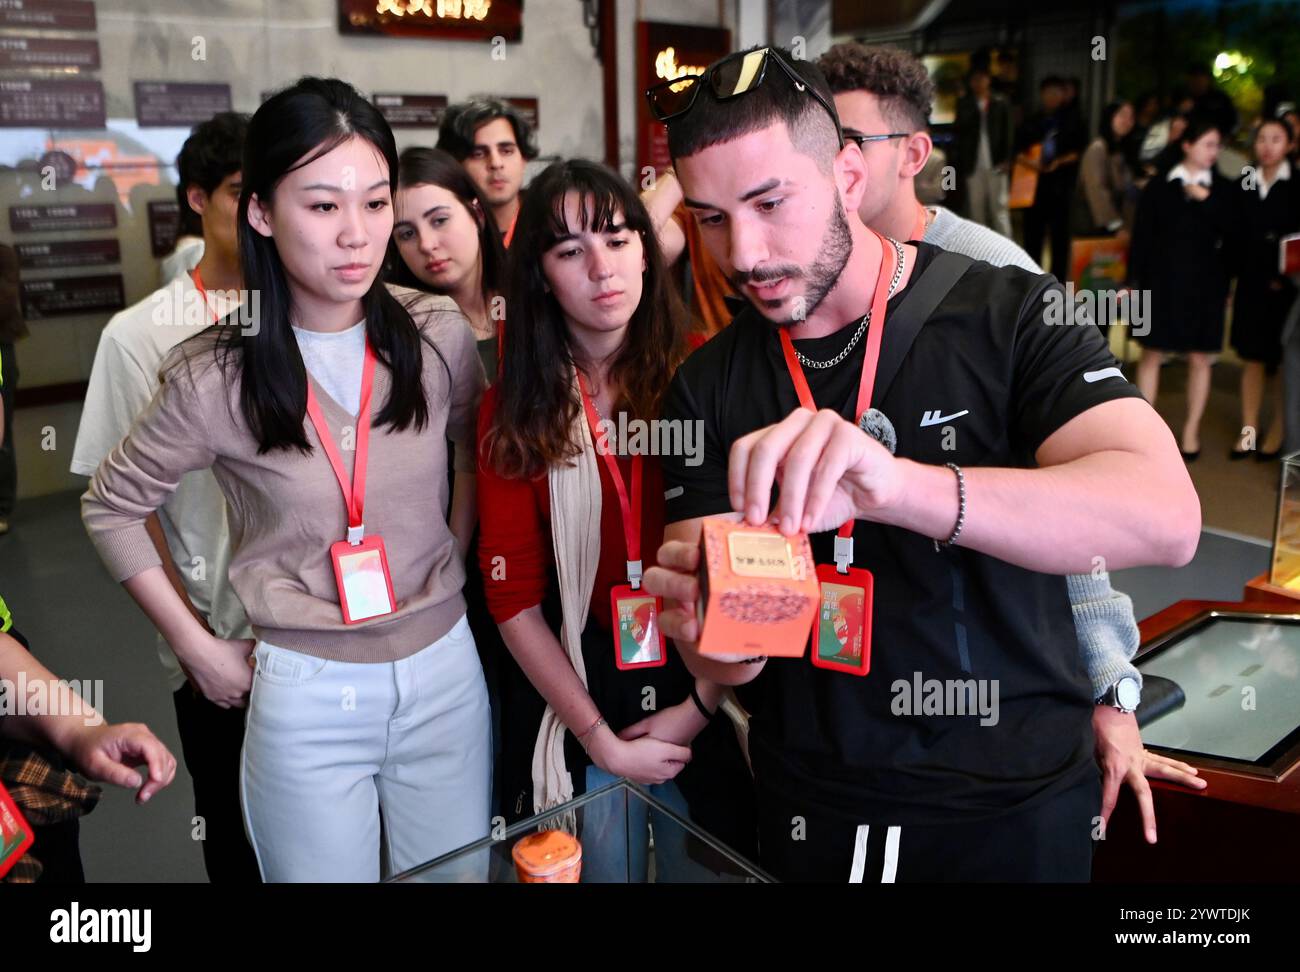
(638, 638)
(364, 582)
(16, 834)
(842, 631)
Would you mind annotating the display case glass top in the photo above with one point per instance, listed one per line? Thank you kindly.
(613, 826)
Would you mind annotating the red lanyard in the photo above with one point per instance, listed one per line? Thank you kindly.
(198, 282)
(869, 362)
(354, 494)
(631, 511)
(918, 231)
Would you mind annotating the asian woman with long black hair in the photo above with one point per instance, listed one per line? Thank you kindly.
(325, 420)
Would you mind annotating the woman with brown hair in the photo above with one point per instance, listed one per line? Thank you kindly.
(596, 334)
(444, 242)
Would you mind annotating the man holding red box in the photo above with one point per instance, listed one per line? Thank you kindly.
(1014, 452)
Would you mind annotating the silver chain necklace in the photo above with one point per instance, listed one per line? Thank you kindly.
(866, 319)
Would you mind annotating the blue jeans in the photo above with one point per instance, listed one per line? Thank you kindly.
(605, 832)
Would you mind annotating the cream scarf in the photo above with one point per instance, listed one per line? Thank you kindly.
(575, 539)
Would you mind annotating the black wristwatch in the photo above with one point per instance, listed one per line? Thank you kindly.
(1125, 695)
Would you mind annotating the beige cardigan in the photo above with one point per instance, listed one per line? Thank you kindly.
(1101, 195)
(286, 508)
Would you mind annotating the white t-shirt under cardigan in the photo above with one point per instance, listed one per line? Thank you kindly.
(286, 508)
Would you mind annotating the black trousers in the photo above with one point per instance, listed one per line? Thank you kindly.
(1050, 214)
(8, 461)
(1050, 842)
(58, 848)
(211, 739)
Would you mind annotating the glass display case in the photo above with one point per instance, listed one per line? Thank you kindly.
(624, 835)
(1284, 571)
(1239, 676)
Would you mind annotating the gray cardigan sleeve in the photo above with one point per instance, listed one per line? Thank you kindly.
(1106, 629)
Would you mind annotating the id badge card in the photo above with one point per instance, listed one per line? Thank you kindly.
(365, 586)
(16, 834)
(842, 629)
(638, 639)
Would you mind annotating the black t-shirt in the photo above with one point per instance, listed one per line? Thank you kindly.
(987, 377)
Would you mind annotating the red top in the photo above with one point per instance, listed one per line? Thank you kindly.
(515, 524)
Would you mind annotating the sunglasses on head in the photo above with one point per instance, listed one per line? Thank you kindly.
(734, 75)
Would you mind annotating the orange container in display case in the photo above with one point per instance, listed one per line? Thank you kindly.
(569, 842)
(548, 857)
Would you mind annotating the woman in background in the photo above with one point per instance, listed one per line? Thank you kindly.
(1178, 254)
(446, 243)
(1268, 209)
(1106, 199)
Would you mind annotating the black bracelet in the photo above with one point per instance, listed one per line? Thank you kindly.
(699, 704)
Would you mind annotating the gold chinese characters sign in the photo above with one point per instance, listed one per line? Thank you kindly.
(452, 19)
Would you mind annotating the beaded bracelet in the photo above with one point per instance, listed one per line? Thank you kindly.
(961, 509)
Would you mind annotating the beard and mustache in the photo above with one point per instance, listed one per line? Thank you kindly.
(821, 275)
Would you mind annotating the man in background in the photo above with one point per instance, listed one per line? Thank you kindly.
(494, 142)
(1059, 130)
(985, 137)
(1210, 100)
(190, 530)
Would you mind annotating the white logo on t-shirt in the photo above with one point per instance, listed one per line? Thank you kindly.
(936, 417)
(1091, 376)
